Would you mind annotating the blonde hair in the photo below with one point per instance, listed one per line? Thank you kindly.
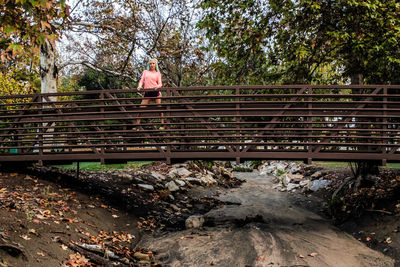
(156, 61)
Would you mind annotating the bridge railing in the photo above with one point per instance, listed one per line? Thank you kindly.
(300, 122)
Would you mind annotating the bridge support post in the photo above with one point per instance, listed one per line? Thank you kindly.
(77, 170)
(308, 161)
(168, 160)
(384, 162)
(237, 160)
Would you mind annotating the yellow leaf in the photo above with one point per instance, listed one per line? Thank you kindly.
(41, 254)
(25, 237)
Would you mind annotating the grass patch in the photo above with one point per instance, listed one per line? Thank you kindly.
(393, 165)
(331, 164)
(341, 164)
(97, 166)
(242, 169)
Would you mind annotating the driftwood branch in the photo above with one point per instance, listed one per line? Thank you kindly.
(90, 255)
(99, 249)
(383, 211)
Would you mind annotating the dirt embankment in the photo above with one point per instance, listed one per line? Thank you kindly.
(53, 217)
(43, 224)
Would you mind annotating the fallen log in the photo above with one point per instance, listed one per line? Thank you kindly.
(90, 255)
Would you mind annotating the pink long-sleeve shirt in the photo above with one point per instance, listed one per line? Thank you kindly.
(151, 79)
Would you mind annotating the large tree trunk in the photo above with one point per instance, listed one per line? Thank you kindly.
(357, 79)
(48, 74)
(366, 168)
(48, 69)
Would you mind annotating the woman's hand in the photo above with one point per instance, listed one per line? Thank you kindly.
(139, 88)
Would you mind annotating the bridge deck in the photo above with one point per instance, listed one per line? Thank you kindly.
(237, 123)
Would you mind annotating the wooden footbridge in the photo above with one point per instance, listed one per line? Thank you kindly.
(297, 122)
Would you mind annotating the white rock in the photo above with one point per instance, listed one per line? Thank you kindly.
(280, 165)
(175, 207)
(295, 169)
(146, 186)
(285, 178)
(295, 177)
(193, 180)
(277, 186)
(292, 186)
(180, 172)
(267, 169)
(194, 221)
(208, 180)
(179, 165)
(158, 176)
(172, 186)
(126, 175)
(306, 183)
(319, 184)
(316, 175)
(180, 182)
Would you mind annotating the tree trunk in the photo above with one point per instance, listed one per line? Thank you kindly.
(368, 167)
(357, 79)
(48, 69)
(48, 74)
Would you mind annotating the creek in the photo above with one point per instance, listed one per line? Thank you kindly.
(262, 227)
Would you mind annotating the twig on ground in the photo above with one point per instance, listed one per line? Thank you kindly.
(383, 211)
(92, 256)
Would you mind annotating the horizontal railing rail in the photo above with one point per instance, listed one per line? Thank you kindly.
(301, 122)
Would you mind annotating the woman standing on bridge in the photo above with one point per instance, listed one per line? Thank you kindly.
(151, 79)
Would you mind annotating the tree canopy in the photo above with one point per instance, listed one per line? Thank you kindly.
(296, 41)
(208, 42)
(28, 23)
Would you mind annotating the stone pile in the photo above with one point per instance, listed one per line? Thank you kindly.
(158, 193)
(294, 176)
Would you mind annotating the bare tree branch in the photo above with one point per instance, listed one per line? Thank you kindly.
(96, 68)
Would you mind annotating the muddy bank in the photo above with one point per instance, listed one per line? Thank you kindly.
(44, 224)
(268, 228)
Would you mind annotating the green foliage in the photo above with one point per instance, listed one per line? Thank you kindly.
(68, 84)
(26, 24)
(255, 163)
(12, 84)
(204, 164)
(280, 172)
(321, 42)
(359, 36)
(238, 31)
(97, 80)
(242, 169)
